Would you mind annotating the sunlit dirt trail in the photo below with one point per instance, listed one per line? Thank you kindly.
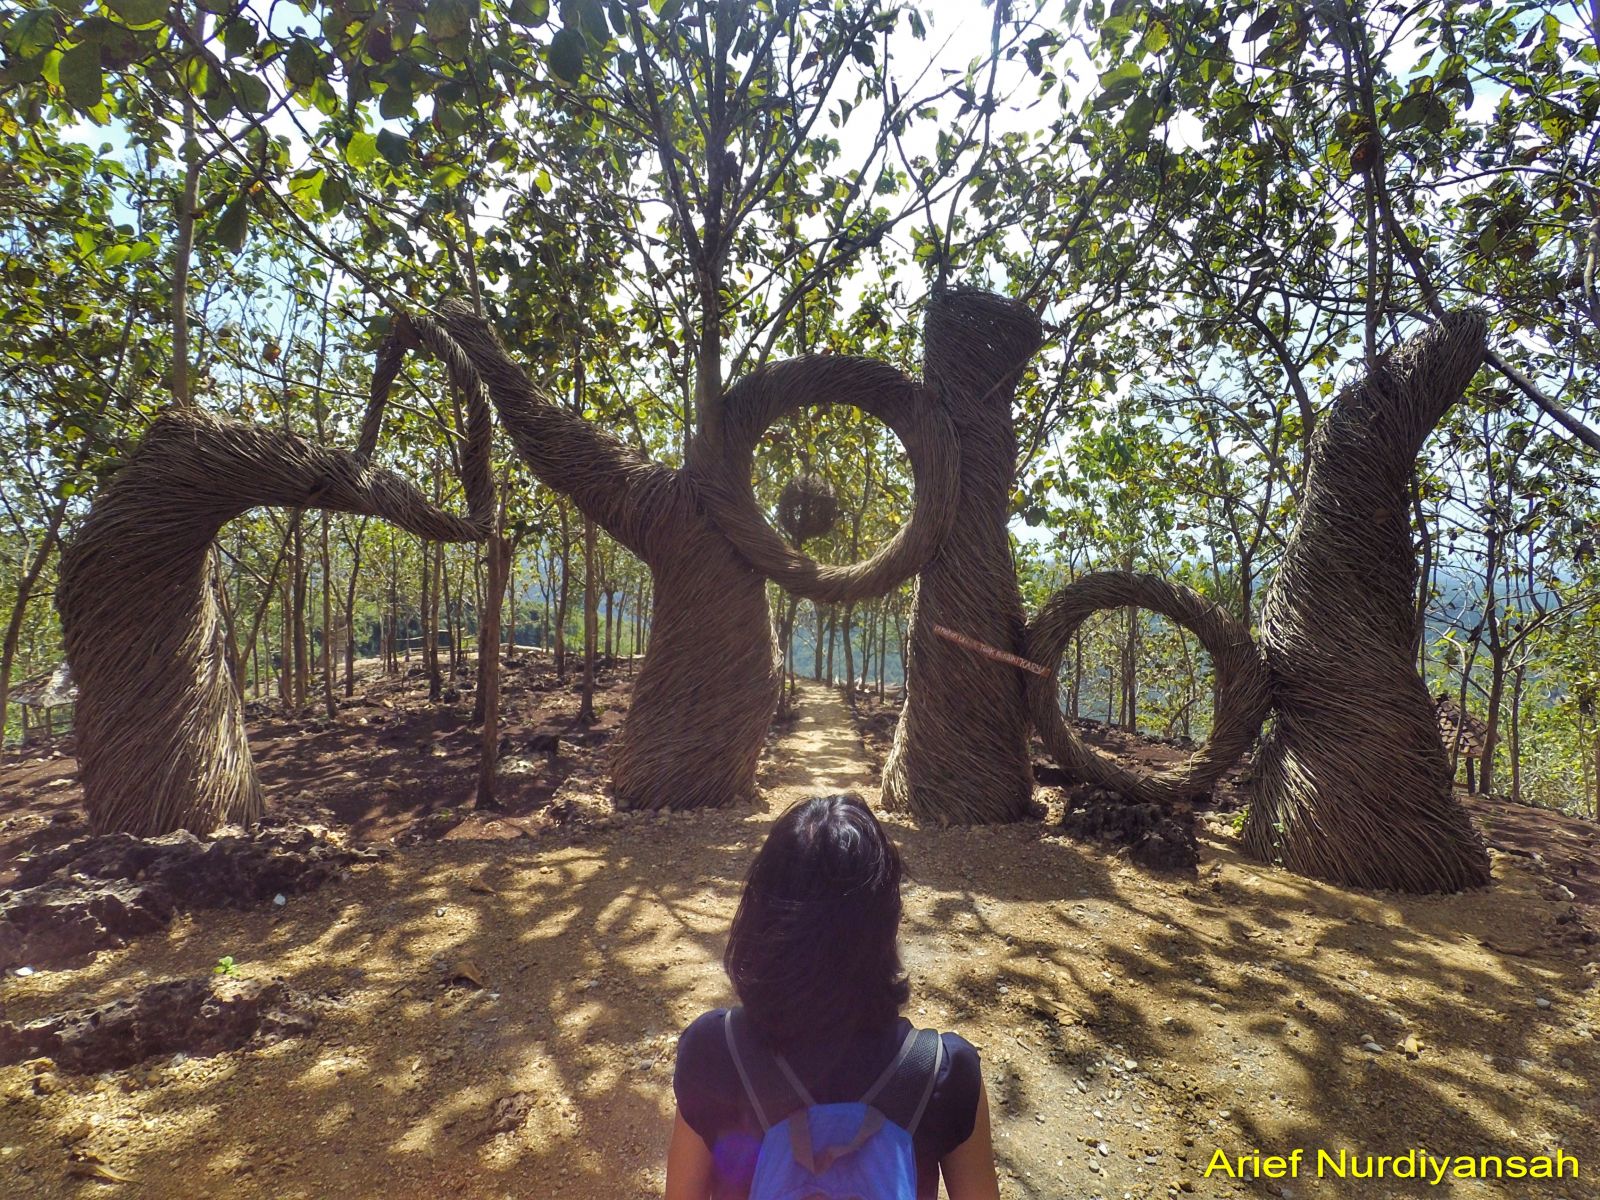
(1129, 1024)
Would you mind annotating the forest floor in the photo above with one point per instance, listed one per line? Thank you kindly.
(543, 961)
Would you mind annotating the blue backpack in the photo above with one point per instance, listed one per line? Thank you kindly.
(811, 1151)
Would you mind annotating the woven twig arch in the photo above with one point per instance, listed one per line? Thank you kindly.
(710, 680)
(917, 418)
(161, 740)
(1242, 699)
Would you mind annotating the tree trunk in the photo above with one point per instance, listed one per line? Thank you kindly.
(1135, 643)
(19, 607)
(1514, 743)
(302, 652)
(561, 596)
(488, 697)
(450, 600)
(329, 703)
(591, 610)
(1491, 716)
(883, 642)
(392, 665)
(849, 656)
(428, 619)
(960, 752)
(816, 648)
(286, 642)
(1594, 808)
(350, 614)
(544, 625)
(511, 597)
(1113, 689)
(183, 247)
(1351, 782)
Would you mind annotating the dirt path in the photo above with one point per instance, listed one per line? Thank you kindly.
(1129, 1024)
(819, 755)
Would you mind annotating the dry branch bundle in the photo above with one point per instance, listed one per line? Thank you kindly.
(711, 676)
(807, 508)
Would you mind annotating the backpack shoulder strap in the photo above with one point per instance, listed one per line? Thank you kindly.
(770, 1084)
(903, 1090)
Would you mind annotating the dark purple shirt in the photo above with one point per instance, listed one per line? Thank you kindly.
(712, 1100)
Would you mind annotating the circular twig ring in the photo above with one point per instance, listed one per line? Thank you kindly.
(1243, 686)
(908, 408)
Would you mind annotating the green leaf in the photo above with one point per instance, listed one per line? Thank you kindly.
(1263, 24)
(447, 176)
(445, 19)
(529, 12)
(362, 150)
(139, 12)
(566, 55)
(231, 225)
(239, 37)
(542, 181)
(393, 146)
(592, 18)
(1409, 112)
(301, 64)
(396, 101)
(1117, 84)
(34, 32)
(218, 104)
(80, 75)
(335, 195)
(307, 186)
(251, 91)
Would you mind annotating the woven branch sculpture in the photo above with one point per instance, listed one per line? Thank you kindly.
(160, 725)
(710, 680)
(960, 751)
(1242, 700)
(1351, 782)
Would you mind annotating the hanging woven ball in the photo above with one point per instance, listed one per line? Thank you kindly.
(807, 508)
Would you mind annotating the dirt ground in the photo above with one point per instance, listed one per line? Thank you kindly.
(1130, 1024)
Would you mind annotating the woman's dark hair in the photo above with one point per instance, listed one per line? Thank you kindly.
(814, 946)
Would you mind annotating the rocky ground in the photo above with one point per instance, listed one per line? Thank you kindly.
(488, 1008)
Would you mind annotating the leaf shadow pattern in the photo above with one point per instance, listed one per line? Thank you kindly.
(1161, 1017)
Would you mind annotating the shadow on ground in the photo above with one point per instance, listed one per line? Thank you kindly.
(1130, 1024)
